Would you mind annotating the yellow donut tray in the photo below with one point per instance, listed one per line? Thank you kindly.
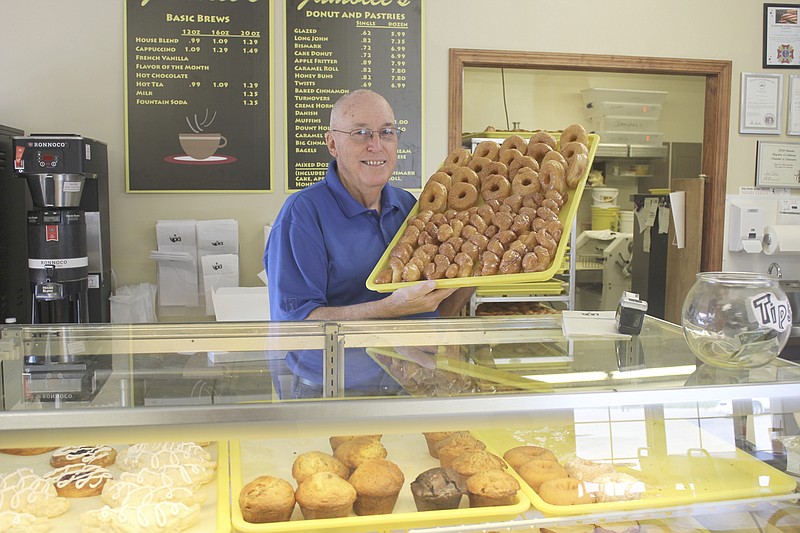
(567, 216)
(691, 475)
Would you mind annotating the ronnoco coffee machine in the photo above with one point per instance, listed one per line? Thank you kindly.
(69, 263)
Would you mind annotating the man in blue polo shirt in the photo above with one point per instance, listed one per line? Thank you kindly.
(328, 237)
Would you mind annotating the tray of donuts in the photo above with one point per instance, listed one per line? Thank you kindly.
(560, 481)
(354, 482)
(167, 486)
(499, 215)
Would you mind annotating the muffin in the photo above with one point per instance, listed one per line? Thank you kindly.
(353, 452)
(492, 487)
(437, 489)
(267, 499)
(432, 438)
(325, 495)
(309, 463)
(470, 463)
(377, 483)
(449, 452)
(336, 440)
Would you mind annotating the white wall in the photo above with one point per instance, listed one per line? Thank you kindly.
(68, 77)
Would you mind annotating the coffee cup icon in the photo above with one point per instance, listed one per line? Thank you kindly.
(201, 145)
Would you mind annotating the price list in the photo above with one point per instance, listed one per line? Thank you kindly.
(197, 95)
(335, 48)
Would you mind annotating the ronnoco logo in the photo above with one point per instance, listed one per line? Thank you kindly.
(43, 144)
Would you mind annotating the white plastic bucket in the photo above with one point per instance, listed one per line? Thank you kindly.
(604, 196)
(626, 221)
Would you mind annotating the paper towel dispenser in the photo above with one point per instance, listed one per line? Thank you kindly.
(746, 228)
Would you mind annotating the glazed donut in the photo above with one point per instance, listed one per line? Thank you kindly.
(519, 247)
(462, 196)
(410, 235)
(556, 196)
(479, 165)
(466, 174)
(445, 231)
(538, 151)
(496, 247)
(411, 272)
(552, 176)
(426, 252)
(505, 238)
(480, 240)
(479, 223)
(496, 167)
(543, 137)
(521, 224)
(437, 268)
(403, 251)
(565, 491)
(486, 212)
(384, 276)
(576, 168)
(495, 187)
(472, 250)
(586, 470)
(555, 155)
(459, 156)
(546, 214)
(516, 142)
(442, 178)
(555, 229)
(433, 197)
(513, 203)
(525, 182)
(491, 231)
(494, 204)
(27, 451)
(424, 215)
(551, 204)
(448, 250)
(397, 269)
(523, 161)
(464, 263)
(537, 260)
(438, 219)
(574, 133)
(448, 169)
(570, 149)
(511, 262)
(490, 263)
(537, 471)
(509, 155)
(520, 455)
(452, 271)
(488, 149)
(547, 241)
(503, 220)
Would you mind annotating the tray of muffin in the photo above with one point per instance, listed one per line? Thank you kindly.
(499, 215)
(169, 486)
(359, 482)
(560, 482)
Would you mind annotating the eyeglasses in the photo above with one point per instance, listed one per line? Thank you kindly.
(363, 135)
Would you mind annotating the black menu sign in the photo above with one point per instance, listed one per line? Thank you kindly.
(335, 47)
(197, 95)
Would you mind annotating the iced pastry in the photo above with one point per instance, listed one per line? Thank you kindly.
(11, 522)
(159, 517)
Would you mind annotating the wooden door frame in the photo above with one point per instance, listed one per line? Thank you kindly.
(716, 115)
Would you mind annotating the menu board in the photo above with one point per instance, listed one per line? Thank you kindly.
(334, 48)
(197, 95)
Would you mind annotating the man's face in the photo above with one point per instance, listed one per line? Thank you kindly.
(366, 165)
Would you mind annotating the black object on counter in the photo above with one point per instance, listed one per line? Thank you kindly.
(630, 313)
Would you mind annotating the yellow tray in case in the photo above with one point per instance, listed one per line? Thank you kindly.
(274, 457)
(567, 216)
(670, 480)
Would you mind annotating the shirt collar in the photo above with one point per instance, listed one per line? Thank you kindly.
(349, 206)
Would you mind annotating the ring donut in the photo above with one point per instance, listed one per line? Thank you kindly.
(479, 164)
(520, 162)
(543, 137)
(552, 176)
(462, 196)
(538, 151)
(496, 167)
(442, 178)
(448, 169)
(459, 156)
(556, 156)
(466, 175)
(574, 133)
(570, 149)
(433, 197)
(537, 471)
(525, 182)
(565, 491)
(516, 457)
(507, 156)
(576, 168)
(495, 186)
(515, 141)
(489, 149)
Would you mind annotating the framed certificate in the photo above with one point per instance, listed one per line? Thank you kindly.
(781, 36)
(793, 120)
(778, 165)
(760, 107)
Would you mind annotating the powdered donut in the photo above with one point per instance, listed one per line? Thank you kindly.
(467, 175)
(565, 491)
(433, 197)
(507, 156)
(538, 151)
(586, 470)
(618, 487)
(488, 149)
(495, 187)
(573, 148)
(543, 137)
(552, 176)
(459, 156)
(462, 196)
(574, 133)
(537, 471)
(516, 142)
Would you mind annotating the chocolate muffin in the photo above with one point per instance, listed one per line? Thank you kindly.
(437, 489)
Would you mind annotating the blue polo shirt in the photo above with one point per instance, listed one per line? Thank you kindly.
(322, 247)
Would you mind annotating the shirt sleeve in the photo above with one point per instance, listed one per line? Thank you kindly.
(297, 269)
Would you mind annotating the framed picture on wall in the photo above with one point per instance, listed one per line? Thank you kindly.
(793, 120)
(781, 36)
(778, 164)
(760, 106)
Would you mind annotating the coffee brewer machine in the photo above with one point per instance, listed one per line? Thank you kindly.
(68, 260)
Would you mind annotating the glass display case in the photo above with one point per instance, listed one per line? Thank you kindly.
(703, 447)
